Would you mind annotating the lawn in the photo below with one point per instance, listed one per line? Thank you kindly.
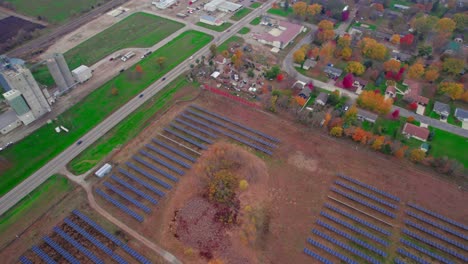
(241, 14)
(128, 128)
(280, 11)
(53, 11)
(369, 26)
(225, 44)
(256, 21)
(244, 30)
(255, 5)
(447, 144)
(221, 28)
(28, 155)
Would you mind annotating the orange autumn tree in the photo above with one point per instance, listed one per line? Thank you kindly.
(400, 153)
(325, 31)
(360, 135)
(375, 102)
(301, 101)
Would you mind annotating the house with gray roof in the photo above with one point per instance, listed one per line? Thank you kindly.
(441, 109)
(321, 99)
(366, 115)
(333, 72)
(461, 114)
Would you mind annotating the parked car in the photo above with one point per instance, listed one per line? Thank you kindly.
(79, 142)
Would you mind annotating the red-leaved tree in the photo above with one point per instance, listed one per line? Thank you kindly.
(348, 81)
(413, 106)
(280, 77)
(407, 39)
(396, 114)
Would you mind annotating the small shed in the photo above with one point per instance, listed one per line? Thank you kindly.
(215, 74)
(105, 169)
(82, 74)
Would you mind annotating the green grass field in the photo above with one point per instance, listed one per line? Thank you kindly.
(225, 44)
(244, 30)
(450, 145)
(255, 5)
(53, 11)
(280, 11)
(221, 28)
(128, 128)
(241, 14)
(256, 21)
(29, 154)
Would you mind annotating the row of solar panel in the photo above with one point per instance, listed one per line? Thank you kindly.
(359, 220)
(134, 189)
(240, 132)
(229, 135)
(437, 235)
(425, 251)
(365, 203)
(352, 238)
(317, 256)
(46, 258)
(119, 205)
(237, 124)
(127, 197)
(412, 256)
(214, 121)
(434, 244)
(193, 142)
(399, 261)
(78, 246)
(148, 175)
(439, 216)
(25, 260)
(155, 169)
(171, 148)
(345, 246)
(355, 229)
(60, 250)
(365, 194)
(393, 197)
(141, 182)
(161, 162)
(331, 251)
(435, 224)
(183, 122)
(168, 156)
(193, 134)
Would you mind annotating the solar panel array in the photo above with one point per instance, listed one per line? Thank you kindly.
(365, 194)
(393, 197)
(119, 205)
(78, 246)
(156, 169)
(196, 128)
(358, 200)
(60, 250)
(435, 224)
(178, 152)
(437, 235)
(193, 142)
(168, 156)
(398, 261)
(425, 251)
(46, 258)
(148, 175)
(439, 216)
(161, 162)
(134, 189)
(412, 256)
(331, 251)
(127, 197)
(140, 181)
(25, 260)
(318, 257)
(193, 134)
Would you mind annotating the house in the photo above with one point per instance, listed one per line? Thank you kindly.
(413, 92)
(461, 114)
(333, 72)
(390, 92)
(210, 20)
(305, 92)
(280, 36)
(441, 109)
(420, 133)
(321, 99)
(421, 100)
(452, 47)
(366, 115)
(219, 59)
(308, 64)
(215, 74)
(397, 55)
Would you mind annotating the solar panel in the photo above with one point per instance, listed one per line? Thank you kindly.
(193, 134)
(127, 197)
(135, 254)
(411, 256)
(88, 236)
(148, 175)
(193, 142)
(355, 229)
(398, 261)
(346, 247)
(196, 128)
(393, 197)
(78, 246)
(134, 189)
(358, 200)
(46, 258)
(446, 229)
(161, 162)
(237, 124)
(365, 194)
(331, 251)
(60, 250)
(167, 155)
(437, 235)
(25, 260)
(155, 169)
(359, 220)
(176, 151)
(140, 181)
(425, 251)
(317, 256)
(439, 216)
(119, 205)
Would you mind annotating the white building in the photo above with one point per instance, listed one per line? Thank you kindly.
(82, 74)
(8, 122)
(222, 5)
(210, 20)
(163, 4)
(103, 170)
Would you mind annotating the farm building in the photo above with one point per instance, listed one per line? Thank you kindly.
(280, 36)
(222, 5)
(82, 74)
(163, 4)
(210, 20)
(8, 122)
(416, 132)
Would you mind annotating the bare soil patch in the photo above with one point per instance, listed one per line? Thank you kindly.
(14, 29)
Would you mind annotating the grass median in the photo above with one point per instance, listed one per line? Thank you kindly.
(241, 14)
(221, 28)
(25, 157)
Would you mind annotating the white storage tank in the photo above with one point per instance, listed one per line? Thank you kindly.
(82, 73)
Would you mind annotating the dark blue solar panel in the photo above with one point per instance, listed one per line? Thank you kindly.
(140, 181)
(393, 197)
(365, 194)
(359, 220)
(398, 261)
(317, 256)
(162, 162)
(46, 258)
(345, 246)
(331, 252)
(355, 229)
(193, 134)
(25, 260)
(365, 203)
(411, 256)
(148, 175)
(437, 235)
(78, 246)
(167, 155)
(196, 128)
(155, 169)
(439, 216)
(193, 142)
(127, 197)
(119, 205)
(176, 151)
(425, 251)
(60, 250)
(446, 229)
(134, 189)
(237, 124)
(135, 254)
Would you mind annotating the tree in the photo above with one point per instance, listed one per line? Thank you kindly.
(445, 25)
(314, 9)
(351, 115)
(236, 61)
(326, 51)
(139, 69)
(355, 68)
(336, 131)
(313, 53)
(424, 51)
(213, 50)
(372, 49)
(348, 81)
(326, 119)
(395, 39)
(431, 75)
(417, 155)
(114, 91)
(407, 39)
(461, 21)
(453, 89)
(453, 65)
(346, 53)
(392, 65)
(280, 77)
(299, 56)
(273, 72)
(400, 153)
(416, 71)
(396, 114)
(344, 41)
(225, 53)
(300, 100)
(425, 24)
(160, 61)
(325, 31)
(413, 106)
(378, 143)
(300, 8)
(375, 102)
(410, 119)
(360, 135)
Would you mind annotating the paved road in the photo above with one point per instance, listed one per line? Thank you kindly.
(55, 165)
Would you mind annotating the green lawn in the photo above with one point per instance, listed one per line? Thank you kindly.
(255, 5)
(225, 44)
(450, 145)
(389, 127)
(256, 21)
(241, 14)
(369, 26)
(53, 11)
(28, 155)
(280, 11)
(221, 28)
(128, 128)
(244, 30)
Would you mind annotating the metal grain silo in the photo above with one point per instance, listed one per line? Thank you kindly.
(63, 66)
(57, 74)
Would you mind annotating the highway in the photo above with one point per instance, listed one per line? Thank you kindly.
(32, 182)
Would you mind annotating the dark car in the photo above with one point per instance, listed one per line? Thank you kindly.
(164, 78)
(141, 95)
(122, 70)
(79, 142)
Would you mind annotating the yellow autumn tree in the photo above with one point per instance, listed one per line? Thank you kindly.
(392, 65)
(372, 49)
(299, 56)
(314, 9)
(378, 143)
(431, 75)
(395, 39)
(452, 89)
(417, 155)
(336, 131)
(416, 71)
(346, 53)
(355, 67)
(325, 31)
(300, 8)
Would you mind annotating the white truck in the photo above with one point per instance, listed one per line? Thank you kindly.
(127, 56)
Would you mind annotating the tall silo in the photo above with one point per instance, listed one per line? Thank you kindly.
(57, 74)
(63, 66)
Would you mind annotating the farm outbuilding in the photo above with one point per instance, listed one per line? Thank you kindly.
(82, 74)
